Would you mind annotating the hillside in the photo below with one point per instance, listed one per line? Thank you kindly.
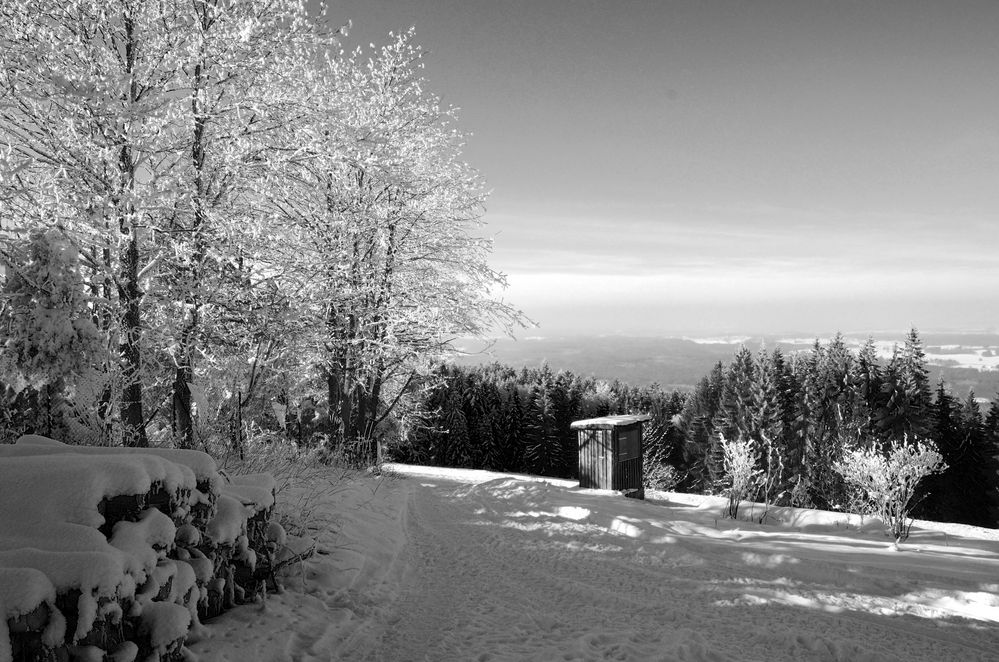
(436, 564)
(965, 361)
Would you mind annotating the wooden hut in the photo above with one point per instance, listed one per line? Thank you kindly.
(610, 453)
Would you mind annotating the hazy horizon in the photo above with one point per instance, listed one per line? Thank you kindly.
(966, 361)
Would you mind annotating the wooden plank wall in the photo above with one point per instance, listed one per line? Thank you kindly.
(596, 459)
(628, 475)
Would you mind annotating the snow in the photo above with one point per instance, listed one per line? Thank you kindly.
(256, 490)
(22, 590)
(200, 463)
(438, 564)
(50, 542)
(229, 522)
(165, 623)
(607, 422)
(54, 529)
(97, 574)
(75, 484)
(147, 540)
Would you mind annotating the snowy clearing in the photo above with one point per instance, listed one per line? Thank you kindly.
(441, 564)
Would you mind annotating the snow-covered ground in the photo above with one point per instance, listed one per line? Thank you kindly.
(438, 564)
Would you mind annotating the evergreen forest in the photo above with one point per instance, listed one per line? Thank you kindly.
(808, 408)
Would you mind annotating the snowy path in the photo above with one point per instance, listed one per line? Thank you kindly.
(491, 580)
(514, 569)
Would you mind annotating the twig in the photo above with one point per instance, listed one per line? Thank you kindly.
(295, 558)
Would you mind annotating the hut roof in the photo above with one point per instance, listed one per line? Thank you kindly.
(608, 422)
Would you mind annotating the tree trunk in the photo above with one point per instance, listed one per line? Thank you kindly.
(128, 289)
(131, 351)
(183, 416)
(183, 423)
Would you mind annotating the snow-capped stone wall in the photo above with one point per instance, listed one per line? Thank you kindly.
(120, 553)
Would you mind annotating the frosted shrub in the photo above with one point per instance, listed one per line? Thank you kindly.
(740, 469)
(47, 335)
(885, 479)
(662, 477)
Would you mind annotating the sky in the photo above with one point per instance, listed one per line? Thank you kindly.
(663, 167)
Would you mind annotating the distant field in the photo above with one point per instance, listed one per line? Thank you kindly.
(965, 361)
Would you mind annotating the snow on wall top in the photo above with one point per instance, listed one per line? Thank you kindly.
(229, 522)
(24, 589)
(201, 463)
(256, 490)
(607, 422)
(74, 484)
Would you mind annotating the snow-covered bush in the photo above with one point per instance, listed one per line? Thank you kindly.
(885, 479)
(48, 334)
(740, 469)
(663, 477)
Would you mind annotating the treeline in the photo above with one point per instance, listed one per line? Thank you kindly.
(811, 406)
(804, 410)
(499, 418)
(214, 218)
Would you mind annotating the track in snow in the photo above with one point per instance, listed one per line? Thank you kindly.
(517, 570)
(445, 565)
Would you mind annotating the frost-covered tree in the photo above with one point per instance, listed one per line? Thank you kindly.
(253, 212)
(49, 341)
(382, 217)
(236, 62)
(84, 125)
(886, 476)
(741, 473)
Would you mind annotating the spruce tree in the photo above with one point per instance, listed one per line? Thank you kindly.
(868, 380)
(695, 421)
(906, 392)
(982, 506)
(511, 438)
(455, 445)
(828, 401)
(940, 495)
(732, 420)
(991, 429)
(542, 450)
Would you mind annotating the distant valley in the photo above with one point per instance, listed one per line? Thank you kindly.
(966, 361)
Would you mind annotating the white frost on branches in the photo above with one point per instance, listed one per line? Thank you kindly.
(885, 478)
(740, 468)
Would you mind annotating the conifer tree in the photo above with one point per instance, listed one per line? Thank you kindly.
(695, 420)
(828, 401)
(906, 392)
(990, 429)
(455, 445)
(511, 438)
(564, 393)
(984, 464)
(968, 491)
(50, 344)
(735, 405)
(939, 494)
(542, 447)
(868, 380)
